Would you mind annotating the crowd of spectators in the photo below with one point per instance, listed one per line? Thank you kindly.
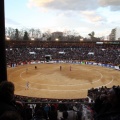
(106, 103)
(100, 54)
(47, 100)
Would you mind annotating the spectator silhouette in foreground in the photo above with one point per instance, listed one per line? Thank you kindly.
(113, 113)
(10, 115)
(38, 115)
(52, 114)
(65, 115)
(7, 101)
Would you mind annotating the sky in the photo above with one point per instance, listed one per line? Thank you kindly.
(81, 16)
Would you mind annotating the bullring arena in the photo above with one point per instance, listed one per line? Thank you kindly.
(48, 81)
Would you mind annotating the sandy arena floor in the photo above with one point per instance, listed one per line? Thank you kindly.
(49, 82)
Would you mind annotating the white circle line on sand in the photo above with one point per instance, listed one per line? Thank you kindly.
(61, 85)
(81, 90)
(14, 72)
(22, 73)
(107, 83)
(101, 76)
(65, 85)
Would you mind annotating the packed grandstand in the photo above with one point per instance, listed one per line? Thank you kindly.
(99, 105)
(98, 52)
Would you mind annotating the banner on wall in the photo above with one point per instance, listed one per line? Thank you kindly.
(117, 67)
(62, 61)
